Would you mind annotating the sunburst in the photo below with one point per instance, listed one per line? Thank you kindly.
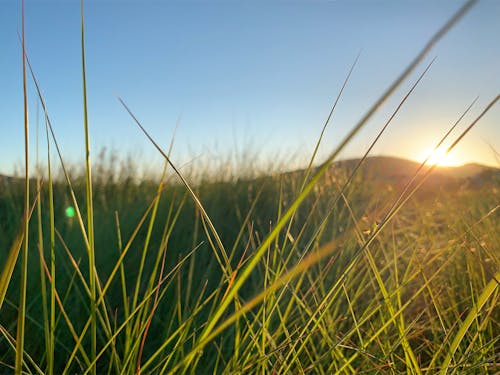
(440, 157)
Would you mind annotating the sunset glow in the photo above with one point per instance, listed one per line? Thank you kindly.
(440, 157)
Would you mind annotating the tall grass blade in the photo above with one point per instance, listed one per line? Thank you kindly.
(24, 261)
(43, 286)
(90, 208)
(52, 325)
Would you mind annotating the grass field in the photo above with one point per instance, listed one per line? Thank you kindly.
(337, 268)
(318, 300)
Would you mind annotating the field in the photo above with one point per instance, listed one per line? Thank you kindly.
(329, 293)
(370, 265)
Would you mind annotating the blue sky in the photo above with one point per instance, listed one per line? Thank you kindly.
(258, 75)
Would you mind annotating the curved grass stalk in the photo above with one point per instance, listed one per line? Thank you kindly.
(226, 265)
(151, 225)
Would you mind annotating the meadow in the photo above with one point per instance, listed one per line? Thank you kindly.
(373, 265)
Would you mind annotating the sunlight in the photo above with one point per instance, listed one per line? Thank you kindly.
(440, 157)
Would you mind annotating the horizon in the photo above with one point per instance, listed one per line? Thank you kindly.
(249, 78)
(230, 170)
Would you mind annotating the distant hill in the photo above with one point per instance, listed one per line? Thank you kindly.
(393, 166)
(465, 171)
(397, 170)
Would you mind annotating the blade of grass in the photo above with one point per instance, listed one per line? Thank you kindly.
(90, 206)
(122, 268)
(24, 260)
(10, 262)
(43, 286)
(51, 347)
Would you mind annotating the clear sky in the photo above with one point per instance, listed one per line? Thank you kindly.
(248, 74)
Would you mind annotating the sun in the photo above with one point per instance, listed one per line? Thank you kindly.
(439, 157)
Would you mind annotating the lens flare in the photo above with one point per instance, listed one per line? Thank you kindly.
(70, 211)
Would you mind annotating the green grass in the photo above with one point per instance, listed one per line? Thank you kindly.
(325, 270)
(424, 285)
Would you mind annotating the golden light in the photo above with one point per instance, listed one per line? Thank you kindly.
(440, 157)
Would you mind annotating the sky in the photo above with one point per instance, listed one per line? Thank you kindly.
(251, 79)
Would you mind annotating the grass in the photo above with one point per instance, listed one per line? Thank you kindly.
(313, 271)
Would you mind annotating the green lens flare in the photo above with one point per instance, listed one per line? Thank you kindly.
(70, 211)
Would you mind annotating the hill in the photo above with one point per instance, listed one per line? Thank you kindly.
(392, 170)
